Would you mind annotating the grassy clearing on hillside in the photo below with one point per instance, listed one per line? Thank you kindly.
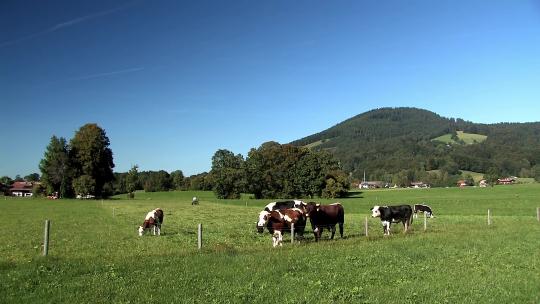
(467, 138)
(98, 258)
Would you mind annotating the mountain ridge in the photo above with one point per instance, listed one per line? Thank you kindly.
(390, 140)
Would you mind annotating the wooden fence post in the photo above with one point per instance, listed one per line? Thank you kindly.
(46, 238)
(425, 222)
(489, 217)
(366, 227)
(292, 233)
(199, 236)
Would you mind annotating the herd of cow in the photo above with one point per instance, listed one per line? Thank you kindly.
(280, 217)
(287, 216)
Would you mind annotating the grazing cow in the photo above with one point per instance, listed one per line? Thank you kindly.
(263, 215)
(280, 221)
(393, 214)
(325, 216)
(195, 201)
(153, 221)
(422, 208)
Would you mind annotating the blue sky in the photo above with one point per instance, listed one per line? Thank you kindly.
(171, 82)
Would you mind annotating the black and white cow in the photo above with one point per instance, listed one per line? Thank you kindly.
(423, 208)
(264, 214)
(393, 214)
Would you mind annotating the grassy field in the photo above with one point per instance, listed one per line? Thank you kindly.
(96, 257)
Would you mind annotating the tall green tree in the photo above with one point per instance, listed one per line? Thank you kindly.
(228, 174)
(492, 174)
(56, 168)
(177, 179)
(132, 179)
(92, 156)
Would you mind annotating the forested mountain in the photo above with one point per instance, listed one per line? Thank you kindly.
(388, 141)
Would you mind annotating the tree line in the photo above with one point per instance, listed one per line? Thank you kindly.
(275, 170)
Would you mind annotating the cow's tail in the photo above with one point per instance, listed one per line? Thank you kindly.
(341, 220)
(410, 221)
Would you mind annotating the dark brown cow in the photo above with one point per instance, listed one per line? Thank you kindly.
(280, 221)
(325, 216)
(153, 221)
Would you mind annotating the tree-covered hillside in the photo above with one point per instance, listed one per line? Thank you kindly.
(388, 141)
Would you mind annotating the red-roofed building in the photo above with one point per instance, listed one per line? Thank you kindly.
(21, 189)
(506, 181)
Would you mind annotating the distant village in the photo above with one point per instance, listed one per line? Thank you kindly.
(460, 183)
(26, 188)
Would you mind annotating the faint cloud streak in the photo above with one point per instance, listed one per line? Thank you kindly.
(66, 24)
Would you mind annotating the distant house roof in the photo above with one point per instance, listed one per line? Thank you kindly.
(507, 180)
(21, 186)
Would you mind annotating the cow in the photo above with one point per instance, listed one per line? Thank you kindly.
(423, 208)
(263, 215)
(194, 201)
(153, 221)
(325, 216)
(393, 214)
(280, 221)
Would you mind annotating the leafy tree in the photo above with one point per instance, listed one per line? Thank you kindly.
(56, 168)
(34, 177)
(6, 180)
(536, 172)
(18, 178)
(91, 155)
(132, 179)
(227, 173)
(177, 178)
(492, 174)
(84, 185)
(337, 184)
(155, 181)
(38, 189)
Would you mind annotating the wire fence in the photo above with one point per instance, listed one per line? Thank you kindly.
(362, 226)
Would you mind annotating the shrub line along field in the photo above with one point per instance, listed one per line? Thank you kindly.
(95, 257)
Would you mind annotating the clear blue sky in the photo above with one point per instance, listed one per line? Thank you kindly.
(171, 82)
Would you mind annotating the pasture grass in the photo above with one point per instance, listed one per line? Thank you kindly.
(97, 258)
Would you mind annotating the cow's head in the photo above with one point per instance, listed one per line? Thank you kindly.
(375, 211)
(263, 219)
(141, 230)
(311, 208)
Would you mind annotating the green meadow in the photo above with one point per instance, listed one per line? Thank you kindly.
(96, 256)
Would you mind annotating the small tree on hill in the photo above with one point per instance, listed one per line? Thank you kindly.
(132, 179)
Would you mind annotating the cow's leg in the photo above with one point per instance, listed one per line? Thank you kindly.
(386, 227)
(316, 234)
(333, 229)
(341, 229)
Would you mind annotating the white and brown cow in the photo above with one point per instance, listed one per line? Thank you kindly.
(263, 215)
(152, 221)
(393, 214)
(280, 221)
(422, 208)
(325, 216)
